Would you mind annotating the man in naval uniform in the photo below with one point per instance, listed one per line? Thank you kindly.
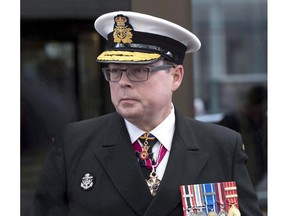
(101, 166)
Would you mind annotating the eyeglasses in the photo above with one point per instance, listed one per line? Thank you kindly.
(135, 74)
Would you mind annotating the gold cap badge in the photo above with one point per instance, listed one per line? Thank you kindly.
(122, 32)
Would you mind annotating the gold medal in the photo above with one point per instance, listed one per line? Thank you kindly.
(153, 182)
(234, 211)
(201, 213)
(191, 212)
(212, 213)
(222, 213)
(144, 153)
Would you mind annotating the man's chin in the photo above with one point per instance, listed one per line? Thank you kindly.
(129, 113)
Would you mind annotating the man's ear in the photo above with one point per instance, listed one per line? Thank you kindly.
(178, 74)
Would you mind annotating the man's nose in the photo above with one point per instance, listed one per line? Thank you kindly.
(124, 80)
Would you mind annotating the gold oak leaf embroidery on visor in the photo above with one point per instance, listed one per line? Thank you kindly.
(127, 56)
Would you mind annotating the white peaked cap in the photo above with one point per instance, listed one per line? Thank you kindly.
(139, 38)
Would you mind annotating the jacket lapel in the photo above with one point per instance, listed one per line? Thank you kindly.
(119, 161)
(184, 165)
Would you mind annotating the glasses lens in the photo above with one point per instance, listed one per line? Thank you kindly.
(115, 74)
(138, 73)
(112, 74)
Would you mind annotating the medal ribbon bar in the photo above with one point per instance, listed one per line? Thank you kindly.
(200, 205)
(220, 196)
(231, 198)
(188, 199)
(209, 197)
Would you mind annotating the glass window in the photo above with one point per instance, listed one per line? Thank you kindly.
(232, 59)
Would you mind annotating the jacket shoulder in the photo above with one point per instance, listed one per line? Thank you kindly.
(210, 135)
(92, 121)
(83, 132)
(212, 129)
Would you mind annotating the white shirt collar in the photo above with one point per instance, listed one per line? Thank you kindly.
(163, 132)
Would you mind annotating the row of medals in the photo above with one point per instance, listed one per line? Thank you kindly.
(233, 211)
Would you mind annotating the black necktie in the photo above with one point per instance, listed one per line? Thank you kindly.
(145, 157)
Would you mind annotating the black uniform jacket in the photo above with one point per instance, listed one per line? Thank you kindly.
(101, 147)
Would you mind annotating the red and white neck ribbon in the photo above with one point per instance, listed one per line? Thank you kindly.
(149, 162)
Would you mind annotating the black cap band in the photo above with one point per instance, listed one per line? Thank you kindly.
(168, 48)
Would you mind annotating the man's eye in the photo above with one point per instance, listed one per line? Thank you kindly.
(114, 70)
(139, 70)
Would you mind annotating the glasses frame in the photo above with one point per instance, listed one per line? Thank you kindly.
(149, 69)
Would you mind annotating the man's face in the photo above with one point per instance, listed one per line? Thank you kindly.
(147, 101)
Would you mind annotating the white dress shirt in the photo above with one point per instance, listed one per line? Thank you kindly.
(163, 132)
